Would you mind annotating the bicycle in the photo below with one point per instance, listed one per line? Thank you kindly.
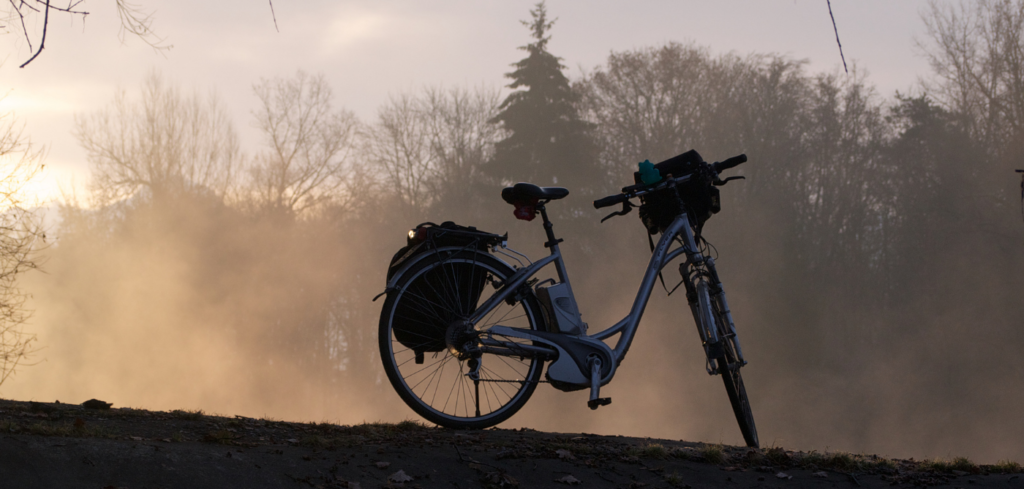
(487, 352)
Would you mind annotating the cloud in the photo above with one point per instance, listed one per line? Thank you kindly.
(348, 28)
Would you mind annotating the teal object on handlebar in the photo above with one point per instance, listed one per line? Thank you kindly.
(649, 174)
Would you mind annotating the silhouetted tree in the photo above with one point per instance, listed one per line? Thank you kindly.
(976, 52)
(21, 237)
(307, 161)
(547, 142)
(430, 148)
(163, 143)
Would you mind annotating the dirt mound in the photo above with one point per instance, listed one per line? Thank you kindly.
(67, 446)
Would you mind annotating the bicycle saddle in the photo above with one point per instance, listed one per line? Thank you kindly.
(527, 192)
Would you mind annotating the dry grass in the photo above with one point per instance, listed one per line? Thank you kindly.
(44, 428)
(222, 437)
(714, 454)
(675, 480)
(962, 464)
(1007, 467)
(654, 450)
(188, 414)
(777, 456)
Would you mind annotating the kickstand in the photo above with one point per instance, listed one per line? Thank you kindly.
(595, 386)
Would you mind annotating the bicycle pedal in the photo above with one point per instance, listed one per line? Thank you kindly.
(601, 401)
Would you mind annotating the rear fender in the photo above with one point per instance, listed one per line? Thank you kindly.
(408, 262)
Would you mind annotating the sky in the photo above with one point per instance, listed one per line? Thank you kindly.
(370, 50)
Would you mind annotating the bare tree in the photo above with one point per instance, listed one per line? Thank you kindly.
(308, 157)
(398, 144)
(162, 143)
(977, 55)
(430, 147)
(658, 102)
(21, 236)
(461, 139)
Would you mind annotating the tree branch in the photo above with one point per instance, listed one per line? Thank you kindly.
(42, 42)
(274, 16)
(836, 29)
(23, 29)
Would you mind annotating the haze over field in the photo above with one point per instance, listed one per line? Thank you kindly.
(873, 256)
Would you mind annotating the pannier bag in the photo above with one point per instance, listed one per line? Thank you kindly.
(423, 314)
(659, 209)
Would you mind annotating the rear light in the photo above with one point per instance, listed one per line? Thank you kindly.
(525, 211)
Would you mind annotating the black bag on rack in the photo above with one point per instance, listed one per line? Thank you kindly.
(424, 313)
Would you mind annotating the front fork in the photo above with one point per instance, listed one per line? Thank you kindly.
(703, 288)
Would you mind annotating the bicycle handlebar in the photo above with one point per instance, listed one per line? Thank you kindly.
(730, 163)
(610, 200)
(640, 189)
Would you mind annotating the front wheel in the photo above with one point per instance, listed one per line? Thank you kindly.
(422, 333)
(738, 397)
(729, 368)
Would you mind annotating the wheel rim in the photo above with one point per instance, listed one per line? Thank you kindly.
(734, 382)
(738, 395)
(439, 387)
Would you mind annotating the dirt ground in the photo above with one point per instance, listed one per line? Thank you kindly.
(46, 445)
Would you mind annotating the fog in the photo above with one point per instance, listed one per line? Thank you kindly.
(872, 257)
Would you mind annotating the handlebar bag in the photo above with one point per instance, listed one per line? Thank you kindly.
(416, 324)
(700, 198)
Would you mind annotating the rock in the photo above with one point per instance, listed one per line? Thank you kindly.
(570, 480)
(96, 404)
(399, 477)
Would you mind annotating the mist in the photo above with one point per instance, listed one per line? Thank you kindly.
(872, 256)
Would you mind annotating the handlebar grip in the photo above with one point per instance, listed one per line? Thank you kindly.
(610, 200)
(730, 163)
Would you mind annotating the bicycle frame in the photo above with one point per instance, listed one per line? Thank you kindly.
(628, 325)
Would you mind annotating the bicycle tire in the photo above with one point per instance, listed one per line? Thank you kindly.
(432, 289)
(734, 380)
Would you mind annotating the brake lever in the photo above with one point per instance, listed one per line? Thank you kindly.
(719, 183)
(627, 206)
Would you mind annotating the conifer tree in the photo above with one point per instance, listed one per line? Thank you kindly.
(548, 144)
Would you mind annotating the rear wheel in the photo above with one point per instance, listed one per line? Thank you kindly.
(420, 340)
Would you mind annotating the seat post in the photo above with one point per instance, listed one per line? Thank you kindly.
(548, 229)
(553, 244)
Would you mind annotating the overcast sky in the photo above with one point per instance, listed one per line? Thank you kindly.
(370, 49)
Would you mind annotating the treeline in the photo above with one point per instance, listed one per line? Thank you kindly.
(872, 255)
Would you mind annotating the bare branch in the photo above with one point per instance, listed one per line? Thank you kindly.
(836, 29)
(42, 42)
(139, 24)
(272, 14)
(23, 29)
(21, 237)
